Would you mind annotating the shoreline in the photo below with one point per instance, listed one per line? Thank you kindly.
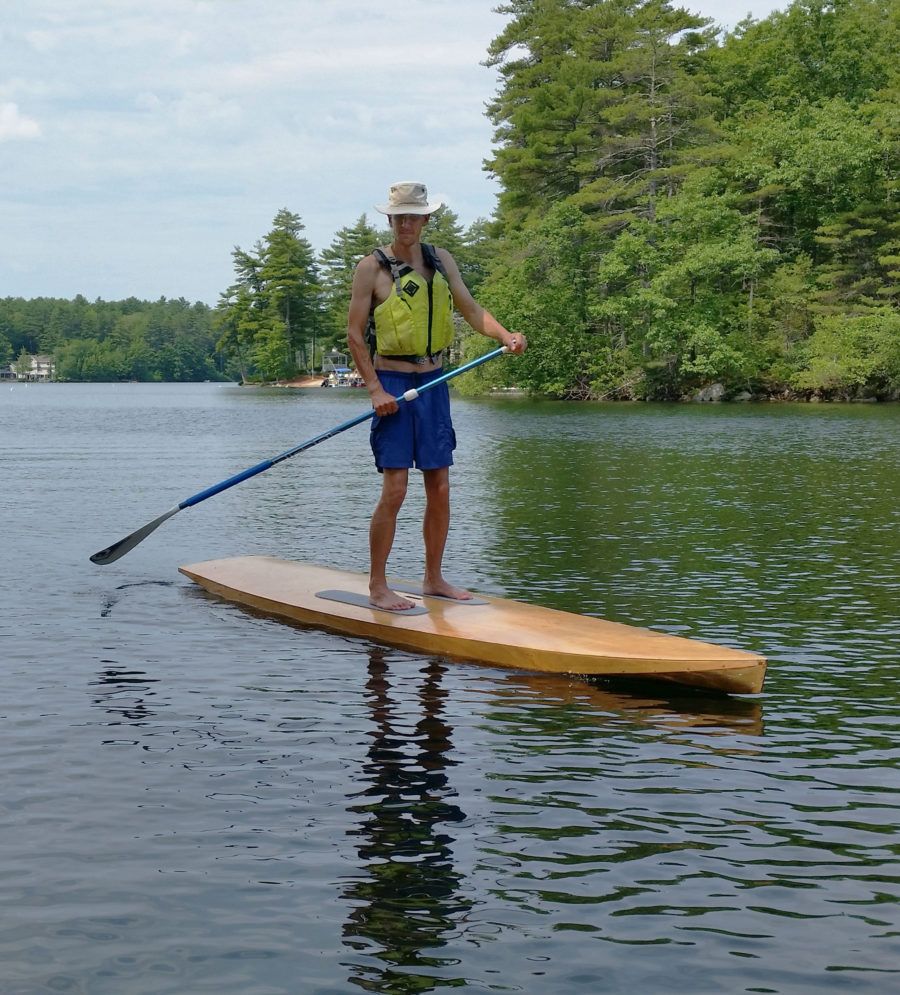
(701, 397)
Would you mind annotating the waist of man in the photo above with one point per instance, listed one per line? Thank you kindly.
(409, 364)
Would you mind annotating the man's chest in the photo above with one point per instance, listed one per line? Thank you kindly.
(409, 281)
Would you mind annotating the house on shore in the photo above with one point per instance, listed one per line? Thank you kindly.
(34, 369)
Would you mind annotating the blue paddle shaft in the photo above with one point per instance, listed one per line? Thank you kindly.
(120, 548)
(409, 396)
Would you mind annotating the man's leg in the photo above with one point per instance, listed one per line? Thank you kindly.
(381, 539)
(434, 530)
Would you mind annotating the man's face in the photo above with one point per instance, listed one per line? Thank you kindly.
(407, 228)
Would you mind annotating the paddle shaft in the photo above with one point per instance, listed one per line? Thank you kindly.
(120, 548)
(408, 396)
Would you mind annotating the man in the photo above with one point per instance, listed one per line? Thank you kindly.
(410, 293)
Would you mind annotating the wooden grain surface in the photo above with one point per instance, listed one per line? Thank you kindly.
(500, 631)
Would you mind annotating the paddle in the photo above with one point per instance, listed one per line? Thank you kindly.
(123, 546)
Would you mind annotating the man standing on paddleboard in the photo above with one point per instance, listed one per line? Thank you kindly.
(399, 326)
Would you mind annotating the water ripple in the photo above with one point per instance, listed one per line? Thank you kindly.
(198, 798)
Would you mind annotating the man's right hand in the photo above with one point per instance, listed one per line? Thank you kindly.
(383, 402)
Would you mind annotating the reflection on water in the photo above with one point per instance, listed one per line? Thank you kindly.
(113, 600)
(703, 838)
(199, 798)
(126, 695)
(645, 701)
(410, 897)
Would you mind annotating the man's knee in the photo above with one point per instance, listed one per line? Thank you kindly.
(437, 484)
(393, 489)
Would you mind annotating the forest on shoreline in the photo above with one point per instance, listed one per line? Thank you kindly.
(678, 209)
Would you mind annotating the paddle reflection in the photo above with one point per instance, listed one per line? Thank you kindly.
(409, 900)
(123, 693)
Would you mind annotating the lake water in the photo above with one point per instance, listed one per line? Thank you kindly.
(200, 799)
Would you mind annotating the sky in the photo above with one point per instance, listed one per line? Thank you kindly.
(140, 142)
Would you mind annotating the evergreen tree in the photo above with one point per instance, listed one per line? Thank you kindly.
(861, 271)
(602, 107)
(337, 264)
(272, 313)
(289, 277)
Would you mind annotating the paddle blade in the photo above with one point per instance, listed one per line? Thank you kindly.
(120, 548)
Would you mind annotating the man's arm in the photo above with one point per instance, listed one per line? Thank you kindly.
(357, 319)
(478, 317)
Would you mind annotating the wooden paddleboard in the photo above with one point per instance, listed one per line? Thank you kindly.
(495, 631)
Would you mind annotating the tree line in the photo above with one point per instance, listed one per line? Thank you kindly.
(113, 340)
(676, 209)
(287, 306)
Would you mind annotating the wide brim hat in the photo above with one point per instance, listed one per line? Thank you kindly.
(408, 197)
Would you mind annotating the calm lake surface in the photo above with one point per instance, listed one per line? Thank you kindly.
(199, 799)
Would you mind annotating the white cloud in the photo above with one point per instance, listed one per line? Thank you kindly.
(205, 111)
(42, 41)
(185, 42)
(14, 125)
(146, 100)
(372, 58)
(172, 131)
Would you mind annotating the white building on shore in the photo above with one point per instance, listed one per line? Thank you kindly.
(35, 368)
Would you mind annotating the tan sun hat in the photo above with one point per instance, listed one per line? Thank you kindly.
(408, 197)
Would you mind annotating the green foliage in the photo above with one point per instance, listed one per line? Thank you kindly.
(860, 269)
(735, 202)
(808, 165)
(271, 318)
(814, 51)
(675, 209)
(543, 290)
(853, 356)
(337, 264)
(469, 247)
(114, 340)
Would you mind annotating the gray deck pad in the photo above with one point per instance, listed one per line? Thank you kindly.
(410, 587)
(362, 600)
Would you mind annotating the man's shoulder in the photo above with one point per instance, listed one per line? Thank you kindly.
(369, 265)
(444, 257)
(367, 275)
(378, 258)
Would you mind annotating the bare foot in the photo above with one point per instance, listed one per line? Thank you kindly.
(381, 596)
(442, 589)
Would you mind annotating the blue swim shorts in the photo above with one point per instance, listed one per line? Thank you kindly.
(420, 433)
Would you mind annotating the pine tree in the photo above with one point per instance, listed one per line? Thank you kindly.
(337, 264)
(604, 107)
(272, 313)
(862, 269)
(289, 276)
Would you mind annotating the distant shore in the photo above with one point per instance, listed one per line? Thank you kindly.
(301, 382)
(296, 382)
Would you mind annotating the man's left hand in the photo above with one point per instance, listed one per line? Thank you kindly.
(515, 342)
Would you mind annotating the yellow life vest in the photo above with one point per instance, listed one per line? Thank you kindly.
(416, 320)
